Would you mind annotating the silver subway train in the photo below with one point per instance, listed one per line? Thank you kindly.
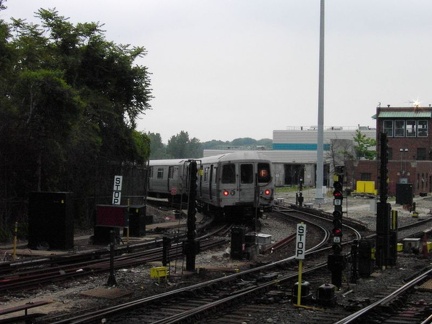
(233, 184)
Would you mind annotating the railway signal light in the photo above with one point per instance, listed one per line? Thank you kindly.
(336, 261)
(337, 216)
(337, 194)
(337, 230)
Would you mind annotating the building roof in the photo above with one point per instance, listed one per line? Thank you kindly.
(300, 157)
(405, 114)
(307, 139)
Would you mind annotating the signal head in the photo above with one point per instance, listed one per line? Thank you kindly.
(337, 214)
(337, 225)
(337, 185)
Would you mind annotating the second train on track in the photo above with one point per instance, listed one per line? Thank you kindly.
(231, 185)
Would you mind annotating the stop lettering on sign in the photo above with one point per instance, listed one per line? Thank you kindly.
(301, 242)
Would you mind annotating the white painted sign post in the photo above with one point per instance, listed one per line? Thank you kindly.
(118, 181)
(300, 255)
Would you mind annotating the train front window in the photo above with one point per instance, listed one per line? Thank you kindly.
(264, 172)
(228, 173)
(246, 173)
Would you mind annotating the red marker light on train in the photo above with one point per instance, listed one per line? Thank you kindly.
(267, 192)
(225, 193)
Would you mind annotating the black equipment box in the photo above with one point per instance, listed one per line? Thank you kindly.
(238, 242)
(102, 234)
(404, 194)
(51, 223)
(137, 221)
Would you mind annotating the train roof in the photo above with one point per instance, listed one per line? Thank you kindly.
(237, 156)
(168, 162)
(225, 157)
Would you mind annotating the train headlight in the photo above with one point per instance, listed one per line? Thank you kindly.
(226, 193)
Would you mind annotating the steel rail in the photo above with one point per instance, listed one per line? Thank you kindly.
(395, 294)
(113, 310)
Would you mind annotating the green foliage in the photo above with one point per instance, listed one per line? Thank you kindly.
(363, 145)
(2, 6)
(142, 147)
(157, 148)
(243, 141)
(69, 103)
(180, 146)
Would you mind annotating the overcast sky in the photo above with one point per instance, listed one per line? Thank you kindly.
(225, 69)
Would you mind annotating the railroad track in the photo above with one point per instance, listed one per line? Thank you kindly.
(48, 270)
(198, 303)
(404, 304)
(199, 300)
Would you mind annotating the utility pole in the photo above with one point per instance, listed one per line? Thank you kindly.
(320, 139)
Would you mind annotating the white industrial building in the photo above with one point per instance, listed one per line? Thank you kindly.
(294, 152)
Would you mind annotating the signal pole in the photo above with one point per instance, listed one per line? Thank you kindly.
(336, 261)
(191, 245)
(383, 238)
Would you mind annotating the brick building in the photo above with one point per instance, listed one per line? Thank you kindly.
(410, 149)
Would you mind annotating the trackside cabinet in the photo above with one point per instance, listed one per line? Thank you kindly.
(108, 218)
(51, 223)
(137, 220)
(238, 242)
(404, 194)
(366, 257)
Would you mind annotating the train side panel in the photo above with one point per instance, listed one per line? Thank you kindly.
(167, 178)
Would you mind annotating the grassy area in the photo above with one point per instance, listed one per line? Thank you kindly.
(286, 189)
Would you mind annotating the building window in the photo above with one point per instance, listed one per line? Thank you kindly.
(365, 176)
(422, 128)
(410, 128)
(399, 128)
(421, 153)
(388, 127)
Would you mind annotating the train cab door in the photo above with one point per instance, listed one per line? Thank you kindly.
(246, 183)
(211, 181)
(171, 183)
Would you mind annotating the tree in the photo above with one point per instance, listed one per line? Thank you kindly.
(180, 146)
(142, 147)
(69, 103)
(362, 146)
(157, 148)
(246, 141)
